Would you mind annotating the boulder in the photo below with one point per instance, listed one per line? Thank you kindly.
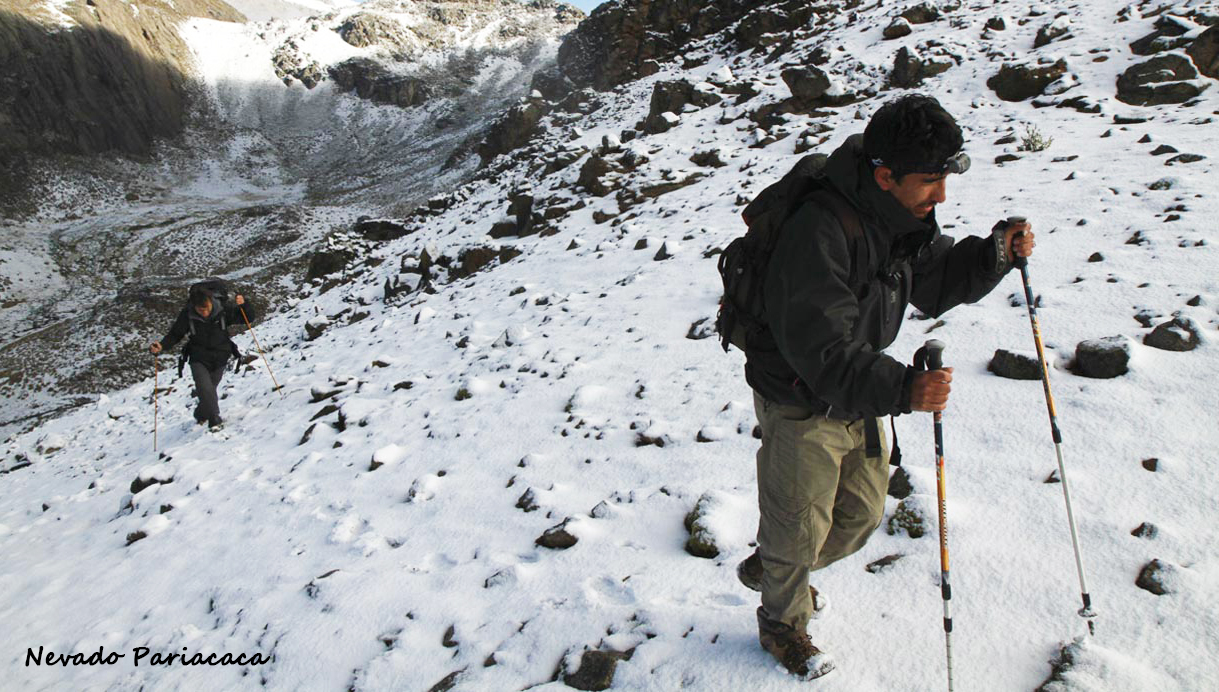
(1021, 82)
(329, 261)
(1167, 36)
(1054, 30)
(899, 28)
(1102, 358)
(513, 130)
(768, 25)
(1162, 80)
(909, 70)
(371, 80)
(1205, 52)
(899, 484)
(381, 230)
(922, 13)
(1015, 366)
(594, 174)
(596, 671)
(807, 84)
(1180, 334)
(365, 29)
(557, 537)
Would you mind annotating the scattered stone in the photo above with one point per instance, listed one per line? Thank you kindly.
(1015, 365)
(1167, 36)
(1152, 464)
(663, 253)
(1145, 530)
(1006, 158)
(528, 502)
(899, 28)
(1021, 82)
(709, 159)
(1194, 302)
(1180, 334)
(1184, 158)
(1052, 478)
(381, 230)
(1161, 184)
(996, 24)
(883, 564)
(557, 537)
(136, 536)
(315, 327)
(1158, 577)
(139, 485)
(1054, 30)
(1063, 662)
(922, 13)
(448, 682)
(1102, 358)
(701, 329)
(1096, 257)
(702, 540)
(596, 671)
(1162, 80)
(1163, 149)
(909, 70)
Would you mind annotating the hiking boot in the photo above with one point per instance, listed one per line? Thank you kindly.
(749, 572)
(794, 651)
(215, 425)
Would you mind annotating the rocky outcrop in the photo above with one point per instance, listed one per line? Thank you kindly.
(621, 41)
(114, 81)
(367, 29)
(1205, 52)
(371, 80)
(1164, 79)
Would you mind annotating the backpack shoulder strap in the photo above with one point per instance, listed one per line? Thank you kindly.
(852, 227)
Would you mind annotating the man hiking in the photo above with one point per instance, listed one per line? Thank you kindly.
(819, 375)
(205, 319)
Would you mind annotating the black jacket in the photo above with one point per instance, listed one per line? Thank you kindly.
(828, 338)
(210, 343)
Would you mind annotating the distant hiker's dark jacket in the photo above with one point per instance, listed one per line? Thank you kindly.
(210, 342)
(827, 340)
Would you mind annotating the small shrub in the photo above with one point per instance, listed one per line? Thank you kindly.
(1033, 140)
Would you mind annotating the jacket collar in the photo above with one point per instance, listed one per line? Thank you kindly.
(849, 172)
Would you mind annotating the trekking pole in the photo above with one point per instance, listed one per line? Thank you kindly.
(935, 361)
(1022, 263)
(156, 372)
(260, 353)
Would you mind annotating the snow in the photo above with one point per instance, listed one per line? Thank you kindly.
(351, 576)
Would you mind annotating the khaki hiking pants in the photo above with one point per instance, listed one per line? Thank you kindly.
(820, 499)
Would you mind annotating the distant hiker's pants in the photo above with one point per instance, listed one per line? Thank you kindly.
(820, 499)
(207, 378)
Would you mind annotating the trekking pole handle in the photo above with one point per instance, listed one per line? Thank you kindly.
(1017, 261)
(935, 354)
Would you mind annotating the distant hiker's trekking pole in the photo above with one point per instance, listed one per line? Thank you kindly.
(935, 361)
(1022, 263)
(156, 372)
(260, 353)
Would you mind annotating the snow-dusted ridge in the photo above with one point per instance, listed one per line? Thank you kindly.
(543, 373)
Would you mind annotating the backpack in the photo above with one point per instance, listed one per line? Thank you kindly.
(220, 297)
(741, 320)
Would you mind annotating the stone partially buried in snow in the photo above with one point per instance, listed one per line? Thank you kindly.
(702, 542)
(899, 28)
(596, 671)
(557, 537)
(1103, 358)
(1181, 334)
(1015, 365)
(912, 516)
(1159, 577)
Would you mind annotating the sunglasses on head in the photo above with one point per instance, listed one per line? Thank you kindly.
(957, 163)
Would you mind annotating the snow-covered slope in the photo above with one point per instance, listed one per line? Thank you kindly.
(372, 525)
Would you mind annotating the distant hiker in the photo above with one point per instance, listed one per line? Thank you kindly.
(205, 319)
(856, 243)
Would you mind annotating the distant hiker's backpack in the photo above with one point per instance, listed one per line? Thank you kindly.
(743, 264)
(220, 294)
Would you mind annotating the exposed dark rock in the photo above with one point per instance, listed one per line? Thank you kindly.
(899, 484)
(1164, 149)
(898, 29)
(528, 502)
(593, 176)
(1048, 33)
(1151, 464)
(1180, 334)
(1015, 366)
(1145, 530)
(613, 45)
(596, 670)
(909, 517)
(883, 564)
(1167, 36)
(1159, 81)
(448, 682)
(701, 329)
(381, 230)
(1102, 358)
(1205, 52)
(767, 26)
(513, 130)
(996, 24)
(710, 159)
(1161, 184)
(1184, 158)
(139, 485)
(1064, 661)
(366, 29)
(557, 537)
(1096, 257)
(136, 536)
(673, 97)
(1020, 82)
(909, 70)
(1157, 577)
(922, 13)
(373, 81)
